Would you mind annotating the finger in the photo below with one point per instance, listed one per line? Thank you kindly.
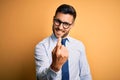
(53, 51)
(64, 51)
(59, 41)
(58, 46)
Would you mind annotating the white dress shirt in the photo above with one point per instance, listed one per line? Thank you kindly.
(78, 65)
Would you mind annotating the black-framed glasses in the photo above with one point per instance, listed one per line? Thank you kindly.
(58, 22)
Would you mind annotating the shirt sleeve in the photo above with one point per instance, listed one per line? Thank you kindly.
(84, 66)
(43, 70)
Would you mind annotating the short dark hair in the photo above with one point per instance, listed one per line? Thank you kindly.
(66, 9)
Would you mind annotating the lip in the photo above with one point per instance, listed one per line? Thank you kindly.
(59, 32)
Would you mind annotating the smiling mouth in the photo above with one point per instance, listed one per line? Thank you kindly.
(59, 32)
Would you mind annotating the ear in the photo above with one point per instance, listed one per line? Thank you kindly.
(53, 18)
(72, 24)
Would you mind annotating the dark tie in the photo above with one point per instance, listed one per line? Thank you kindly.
(65, 68)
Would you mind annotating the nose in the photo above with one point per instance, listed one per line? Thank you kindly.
(61, 26)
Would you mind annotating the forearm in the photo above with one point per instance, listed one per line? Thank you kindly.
(43, 60)
(86, 77)
(85, 73)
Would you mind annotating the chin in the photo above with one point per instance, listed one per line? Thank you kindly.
(62, 34)
(58, 35)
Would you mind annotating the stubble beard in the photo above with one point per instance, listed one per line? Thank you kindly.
(57, 29)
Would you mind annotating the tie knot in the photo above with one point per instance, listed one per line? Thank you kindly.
(63, 41)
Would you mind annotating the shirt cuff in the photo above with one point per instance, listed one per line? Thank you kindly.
(54, 74)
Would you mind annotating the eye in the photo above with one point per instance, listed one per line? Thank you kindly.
(66, 24)
(57, 22)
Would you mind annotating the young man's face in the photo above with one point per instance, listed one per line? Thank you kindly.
(62, 23)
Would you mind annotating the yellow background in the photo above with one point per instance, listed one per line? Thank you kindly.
(23, 23)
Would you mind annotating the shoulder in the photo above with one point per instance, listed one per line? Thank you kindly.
(76, 42)
(43, 42)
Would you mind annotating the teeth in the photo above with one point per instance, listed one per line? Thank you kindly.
(59, 31)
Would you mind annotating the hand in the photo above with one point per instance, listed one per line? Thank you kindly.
(59, 56)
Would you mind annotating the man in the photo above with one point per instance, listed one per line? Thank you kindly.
(61, 57)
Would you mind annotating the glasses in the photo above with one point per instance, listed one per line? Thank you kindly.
(58, 22)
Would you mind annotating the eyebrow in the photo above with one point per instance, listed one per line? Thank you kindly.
(63, 21)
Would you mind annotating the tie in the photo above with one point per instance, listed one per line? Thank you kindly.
(65, 68)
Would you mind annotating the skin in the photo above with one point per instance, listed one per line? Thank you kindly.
(59, 31)
(60, 53)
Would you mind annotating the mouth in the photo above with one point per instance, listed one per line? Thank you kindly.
(59, 32)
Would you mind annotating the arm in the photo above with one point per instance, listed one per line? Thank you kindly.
(84, 66)
(43, 70)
